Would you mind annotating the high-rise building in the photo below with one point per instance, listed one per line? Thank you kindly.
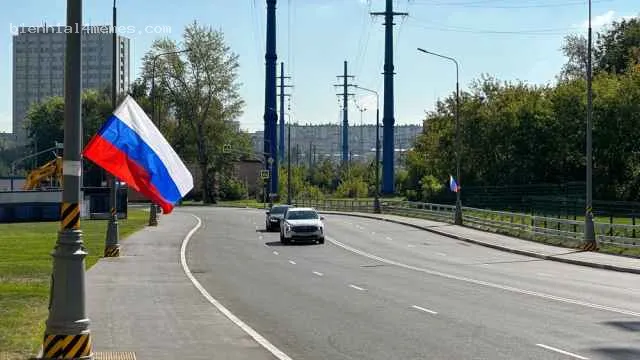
(38, 66)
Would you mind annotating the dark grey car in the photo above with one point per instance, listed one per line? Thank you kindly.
(275, 216)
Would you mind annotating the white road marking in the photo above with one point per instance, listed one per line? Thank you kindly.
(356, 287)
(276, 253)
(486, 283)
(292, 262)
(424, 309)
(246, 328)
(411, 246)
(562, 351)
(388, 238)
(542, 274)
(373, 233)
(318, 273)
(441, 254)
(260, 237)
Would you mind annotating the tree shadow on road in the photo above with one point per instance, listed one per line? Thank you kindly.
(619, 353)
(625, 325)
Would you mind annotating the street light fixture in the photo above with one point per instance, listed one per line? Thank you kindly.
(458, 212)
(376, 200)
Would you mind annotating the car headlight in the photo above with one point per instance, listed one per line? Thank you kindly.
(288, 227)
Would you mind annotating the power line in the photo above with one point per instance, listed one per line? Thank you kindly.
(531, 32)
(486, 4)
(289, 49)
(365, 33)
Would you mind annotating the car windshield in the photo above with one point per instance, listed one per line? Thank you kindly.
(302, 215)
(278, 209)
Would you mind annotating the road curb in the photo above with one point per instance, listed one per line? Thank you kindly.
(495, 246)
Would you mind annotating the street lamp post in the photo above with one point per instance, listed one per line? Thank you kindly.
(376, 200)
(112, 246)
(589, 231)
(458, 212)
(289, 160)
(153, 211)
(67, 329)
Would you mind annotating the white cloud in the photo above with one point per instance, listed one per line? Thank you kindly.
(605, 19)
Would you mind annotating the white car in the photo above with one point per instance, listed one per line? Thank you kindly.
(302, 224)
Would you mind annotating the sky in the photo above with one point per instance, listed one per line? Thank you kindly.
(507, 39)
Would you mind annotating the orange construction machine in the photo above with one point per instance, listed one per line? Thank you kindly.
(49, 174)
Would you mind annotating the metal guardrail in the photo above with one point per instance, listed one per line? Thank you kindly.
(516, 224)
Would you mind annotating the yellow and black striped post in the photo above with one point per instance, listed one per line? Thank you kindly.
(590, 246)
(67, 346)
(153, 215)
(112, 245)
(591, 241)
(67, 334)
(70, 216)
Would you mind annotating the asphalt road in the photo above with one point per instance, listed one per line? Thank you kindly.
(378, 290)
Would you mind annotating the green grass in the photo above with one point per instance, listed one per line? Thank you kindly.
(552, 240)
(25, 271)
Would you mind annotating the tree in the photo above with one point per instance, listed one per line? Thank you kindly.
(323, 175)
(575, 49)
(45, 126)
(201, 88)
(618, 49)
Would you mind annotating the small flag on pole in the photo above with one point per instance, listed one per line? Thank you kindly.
(131, 148)
(453, 185)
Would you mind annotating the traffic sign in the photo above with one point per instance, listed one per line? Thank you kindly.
(264, 174)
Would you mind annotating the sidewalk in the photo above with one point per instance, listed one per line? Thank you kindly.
(511, 244)
(142, 302)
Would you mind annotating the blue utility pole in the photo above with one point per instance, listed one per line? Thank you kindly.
(388, 120)
(282, 95)
(270, 99)
(345, 113)
(345, 117)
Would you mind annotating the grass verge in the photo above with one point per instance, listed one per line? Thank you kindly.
(25, 271)
(522, 219)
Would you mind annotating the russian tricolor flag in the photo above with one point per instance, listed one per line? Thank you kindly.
(453, 185)
(130, 147)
